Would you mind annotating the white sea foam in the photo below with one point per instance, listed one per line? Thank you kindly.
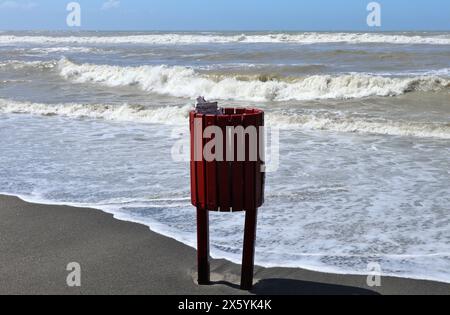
(177, 115)
(357, 125)
(52, 50)
(439, 72)
(301, 38)
(186, 82)
(18, 64)
(132, 113)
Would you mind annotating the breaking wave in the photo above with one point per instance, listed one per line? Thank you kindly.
(129, 113)
(178, 115)
(51, 50)
(330, 122)
(40, 65)
(185, 82)
(301, 38)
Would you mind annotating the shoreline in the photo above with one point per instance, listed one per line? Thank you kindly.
(119, 257)
(192, 243)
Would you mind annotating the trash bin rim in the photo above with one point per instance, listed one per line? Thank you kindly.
(248, 112)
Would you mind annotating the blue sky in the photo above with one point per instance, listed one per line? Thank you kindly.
(330, 15)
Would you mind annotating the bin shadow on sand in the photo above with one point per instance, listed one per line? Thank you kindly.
(298, 287)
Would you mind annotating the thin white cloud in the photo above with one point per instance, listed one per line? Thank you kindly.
(17, 5)
(111, 4)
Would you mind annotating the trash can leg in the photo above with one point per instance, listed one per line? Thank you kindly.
(249, 249)
(203, 246)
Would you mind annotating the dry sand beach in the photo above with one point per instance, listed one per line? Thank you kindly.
(38, 241)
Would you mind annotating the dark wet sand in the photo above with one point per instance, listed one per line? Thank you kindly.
(38, 241)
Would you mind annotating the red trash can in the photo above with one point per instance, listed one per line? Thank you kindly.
(227, 175)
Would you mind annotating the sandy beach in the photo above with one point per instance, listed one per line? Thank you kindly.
(38, 241)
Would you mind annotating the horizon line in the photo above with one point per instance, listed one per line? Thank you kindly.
(227, 31)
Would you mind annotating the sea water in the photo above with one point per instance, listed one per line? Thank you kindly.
(90, 119)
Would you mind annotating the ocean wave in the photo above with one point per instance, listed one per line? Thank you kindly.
(301, 38)
(240, 68)
(13, 81)
(440, 72)
(128, 113)
(178, 115)
(337, 123)
(52, 50)
(18, 64)
(185, 82)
